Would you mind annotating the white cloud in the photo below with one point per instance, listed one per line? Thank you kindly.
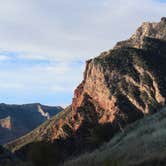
(73, 29)
(41, 78)
(63, 32)
(10, 86)
(4, 58)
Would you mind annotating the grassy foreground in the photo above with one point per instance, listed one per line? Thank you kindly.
(142, 143)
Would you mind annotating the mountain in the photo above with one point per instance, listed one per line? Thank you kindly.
(119, 87)
(17, 120)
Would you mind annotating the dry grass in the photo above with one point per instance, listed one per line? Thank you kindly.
(141, 143)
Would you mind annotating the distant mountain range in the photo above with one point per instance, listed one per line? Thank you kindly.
(17, 120)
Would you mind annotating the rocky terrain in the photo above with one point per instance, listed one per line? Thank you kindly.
(119, 87)
(17, 120)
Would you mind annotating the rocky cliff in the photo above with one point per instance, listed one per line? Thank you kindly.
(123, 84)
(132, 73)
(119, 86)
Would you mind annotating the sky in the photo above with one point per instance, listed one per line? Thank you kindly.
(44, 43)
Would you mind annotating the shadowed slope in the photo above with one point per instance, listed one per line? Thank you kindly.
(140, 144)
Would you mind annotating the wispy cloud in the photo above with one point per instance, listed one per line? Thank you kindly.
(73, 29)
(43, 42)
(41, 78)
(4, 58)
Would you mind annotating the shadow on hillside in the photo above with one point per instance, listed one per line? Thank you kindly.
(90, 135)
(86, 139)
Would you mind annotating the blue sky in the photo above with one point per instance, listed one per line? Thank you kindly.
(44, 44)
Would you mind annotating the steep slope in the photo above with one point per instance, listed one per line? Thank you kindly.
(17, 120)
(119, 87)
(40, 133)
(140, 144)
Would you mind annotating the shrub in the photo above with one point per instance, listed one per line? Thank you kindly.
(44, 153)
(100, 134)
(109, 162)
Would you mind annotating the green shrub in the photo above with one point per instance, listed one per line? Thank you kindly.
(109, 162)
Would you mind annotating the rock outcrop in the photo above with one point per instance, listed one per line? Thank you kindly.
(6, 123)
(44, 114)
(119, 87)
(151, 30)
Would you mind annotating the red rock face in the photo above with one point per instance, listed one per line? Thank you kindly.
(78, 97)
(6, 123)
(95, 86)
(100, 80)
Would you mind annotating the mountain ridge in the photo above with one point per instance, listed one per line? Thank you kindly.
(119, 87)
(17, 120)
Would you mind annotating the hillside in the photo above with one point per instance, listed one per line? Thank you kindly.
(43, 131)
(119, 87)
(140, 144)
(17, 120)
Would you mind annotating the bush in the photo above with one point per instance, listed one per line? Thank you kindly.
(109, 162)
(100, 134)
(44, 153)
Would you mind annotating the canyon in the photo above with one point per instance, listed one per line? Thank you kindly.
(120, 86)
